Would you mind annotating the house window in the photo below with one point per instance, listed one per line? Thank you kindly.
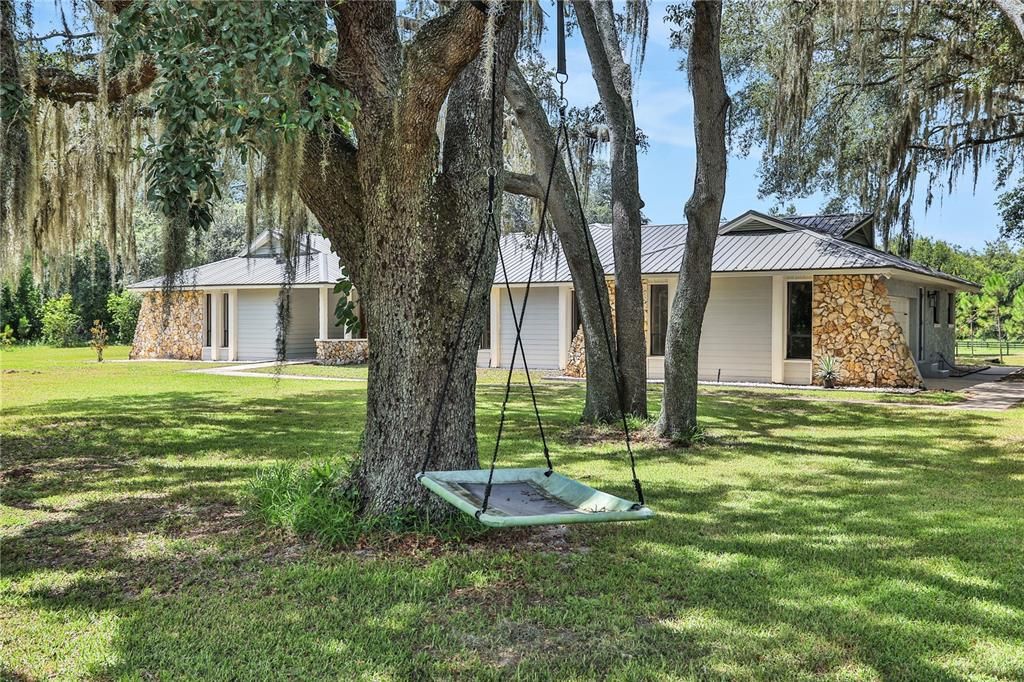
(485, 337)
(659, 318)
(798, 321)
(951, 307)
(225, 316)
(209, 320)
(934, 299)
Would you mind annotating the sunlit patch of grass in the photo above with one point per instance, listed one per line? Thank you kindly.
(804, 540)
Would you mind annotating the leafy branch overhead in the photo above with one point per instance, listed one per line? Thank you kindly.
(181, 87)
(861, 101)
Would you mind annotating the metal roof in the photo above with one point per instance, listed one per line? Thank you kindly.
(662, 248)
(833, 224)
(814, 243)
(263, 266)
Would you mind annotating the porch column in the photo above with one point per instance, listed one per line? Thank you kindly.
(232, 313)
(564, 320)
(214, 323)
(778, 329)
(495, 323)
(324, 307)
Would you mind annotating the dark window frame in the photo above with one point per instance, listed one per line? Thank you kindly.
(803, 338)
(574, 319)
(226, 317)
(950, 307)
(658, 324)
(485, 335)
(209, 320)
(935, 307)
(361, 316)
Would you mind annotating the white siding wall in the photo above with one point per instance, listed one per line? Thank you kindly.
(257, 324)
(796, 372)
(736, 336)
(333, 331)
(540, 328)
(305, 324)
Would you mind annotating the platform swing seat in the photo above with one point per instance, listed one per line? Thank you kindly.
(506, 498)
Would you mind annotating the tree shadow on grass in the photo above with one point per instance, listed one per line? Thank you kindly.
(827, 540)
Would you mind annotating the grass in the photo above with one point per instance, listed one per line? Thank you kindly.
(991, 358)
(980, 352)
(805, 540)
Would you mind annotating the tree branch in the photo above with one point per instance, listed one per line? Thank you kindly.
(58, 34)
(441, 49)
(334, 194)
(369, 51)
(1014, 11)
(523, 184)
(62, 85)
(967, 143)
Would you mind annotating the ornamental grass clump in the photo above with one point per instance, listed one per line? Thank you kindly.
(828, 370)
(310, 501)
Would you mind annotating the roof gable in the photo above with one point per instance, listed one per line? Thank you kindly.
(756, 222)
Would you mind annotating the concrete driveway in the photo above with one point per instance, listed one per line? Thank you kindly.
(985, 390)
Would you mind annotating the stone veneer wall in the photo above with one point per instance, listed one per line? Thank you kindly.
(173, 333)
(853, 321)
(576, 364)
(342, 351)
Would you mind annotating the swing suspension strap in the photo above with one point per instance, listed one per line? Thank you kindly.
(605, 327)
(561, 136)
(491, 227)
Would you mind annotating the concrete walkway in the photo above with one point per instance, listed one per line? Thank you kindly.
(245, 369)
(989, 389)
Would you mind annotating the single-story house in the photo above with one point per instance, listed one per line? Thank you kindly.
(785, 291)
(227, 310)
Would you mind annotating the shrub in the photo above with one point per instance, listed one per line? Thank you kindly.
(98, 339)
(310, 501)
(20, 304)
(124, 315)
(60, 323)
(7, 338)
(24, 328)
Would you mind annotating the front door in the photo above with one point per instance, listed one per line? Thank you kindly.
(901, 308)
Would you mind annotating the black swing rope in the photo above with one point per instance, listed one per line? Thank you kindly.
(561, 134)
(517, 320)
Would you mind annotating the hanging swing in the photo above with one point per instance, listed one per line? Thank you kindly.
(529, 496)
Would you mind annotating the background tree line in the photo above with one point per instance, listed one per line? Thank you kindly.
(997, 313)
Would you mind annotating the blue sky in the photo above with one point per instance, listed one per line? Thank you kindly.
(664, 112)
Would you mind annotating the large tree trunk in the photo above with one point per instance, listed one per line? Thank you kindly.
(407, 217)
(602, 402)
(615, 86)
(678, 418)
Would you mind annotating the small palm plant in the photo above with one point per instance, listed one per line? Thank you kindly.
(99, 339)
(828, 370)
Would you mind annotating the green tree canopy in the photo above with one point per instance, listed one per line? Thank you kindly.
(862, 101)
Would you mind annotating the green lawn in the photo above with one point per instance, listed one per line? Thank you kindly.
(1013, 359)
(808, 540)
